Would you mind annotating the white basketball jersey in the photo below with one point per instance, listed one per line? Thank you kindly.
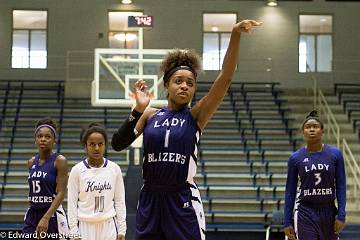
(96, 195)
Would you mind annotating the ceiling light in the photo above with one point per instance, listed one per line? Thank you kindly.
(272, 3)
(125, 37)
(214, 29)
(130, 37)
(126, 1)
(120, 37)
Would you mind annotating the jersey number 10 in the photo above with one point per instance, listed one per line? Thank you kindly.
(99, 204)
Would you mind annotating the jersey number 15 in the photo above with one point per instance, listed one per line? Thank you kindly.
(36, 186)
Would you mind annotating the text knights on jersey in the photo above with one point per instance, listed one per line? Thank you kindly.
(92, 186)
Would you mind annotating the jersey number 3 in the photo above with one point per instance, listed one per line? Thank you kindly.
(318, 178)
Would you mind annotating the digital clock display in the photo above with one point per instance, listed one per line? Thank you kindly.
(140, 21)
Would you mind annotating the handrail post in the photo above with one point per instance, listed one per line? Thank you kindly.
(315, 92)
(338, 136)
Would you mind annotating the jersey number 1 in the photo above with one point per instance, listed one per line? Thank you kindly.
(167, 135)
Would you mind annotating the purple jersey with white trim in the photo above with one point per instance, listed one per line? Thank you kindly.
(317, 176)
(170, 141)
(321, 177)
(42, 182)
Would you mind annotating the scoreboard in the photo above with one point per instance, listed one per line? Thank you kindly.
(140, 21)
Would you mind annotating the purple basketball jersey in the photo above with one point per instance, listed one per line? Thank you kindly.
(170, 141)
(321, 177)
(317, 175)
(42, 182)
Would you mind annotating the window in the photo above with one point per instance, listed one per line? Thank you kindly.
(120, 35)
(217, 29)
(315, 43)
(29, 39)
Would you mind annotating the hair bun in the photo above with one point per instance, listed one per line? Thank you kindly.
(313, 113)
(91, 128)
(94, 124)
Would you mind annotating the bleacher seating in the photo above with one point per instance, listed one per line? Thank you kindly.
(349, 96)
(243, 162)
(243, 150)
(26, 102)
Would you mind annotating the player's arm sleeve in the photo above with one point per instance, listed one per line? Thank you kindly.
(126, 134)
(72, 204)
(341, 186)
(290, 192)
(119, 202)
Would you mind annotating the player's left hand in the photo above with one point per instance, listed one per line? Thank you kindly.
(42, 226)
(338, 226)
(120, 237)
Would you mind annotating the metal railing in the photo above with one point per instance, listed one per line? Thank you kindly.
(333, 128)
(332, 125)
(352, 166)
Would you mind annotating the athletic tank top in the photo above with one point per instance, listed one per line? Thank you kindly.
(170, 147)
(42, 182)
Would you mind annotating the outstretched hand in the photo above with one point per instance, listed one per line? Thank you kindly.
(246, 25)
(141, 95)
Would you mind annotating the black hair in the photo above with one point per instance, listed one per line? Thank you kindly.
(92, 128)
(47, 121)
(178, 58)
(312, 115)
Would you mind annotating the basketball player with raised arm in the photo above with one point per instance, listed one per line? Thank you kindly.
(170, 206)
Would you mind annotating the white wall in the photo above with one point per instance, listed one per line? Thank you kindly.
(75, 25)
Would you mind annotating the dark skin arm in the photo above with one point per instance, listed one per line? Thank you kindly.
(206, 107)
(120, 237)
(338, 226)
(142, 98)
(61, 185)
(290, 233)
